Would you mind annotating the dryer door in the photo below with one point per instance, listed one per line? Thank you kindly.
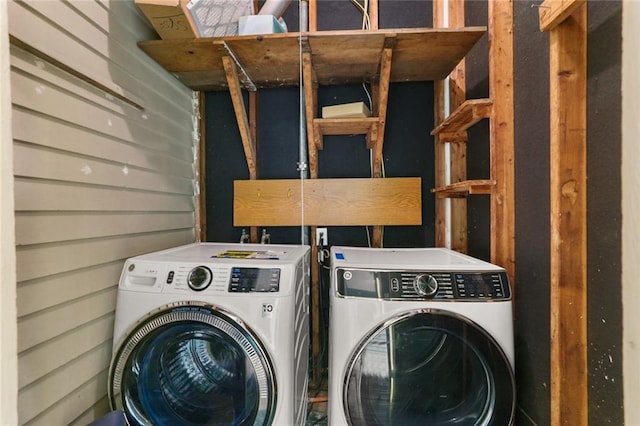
(429, 367)
(192, 364)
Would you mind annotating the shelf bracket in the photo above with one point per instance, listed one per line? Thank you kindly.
(235, 90)
(381, 96)
(250, 85)
(314, 141)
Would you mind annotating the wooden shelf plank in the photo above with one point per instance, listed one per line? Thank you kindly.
(466, 115)
(338, 57)
(345, 126)
(359, 201)
(465, 188)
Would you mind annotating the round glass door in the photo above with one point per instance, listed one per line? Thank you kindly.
(429, 368)
(192, 365)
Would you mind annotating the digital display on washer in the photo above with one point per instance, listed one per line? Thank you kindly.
(483, 285)
(247, 280)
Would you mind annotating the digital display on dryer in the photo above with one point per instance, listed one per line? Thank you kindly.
(249, 280)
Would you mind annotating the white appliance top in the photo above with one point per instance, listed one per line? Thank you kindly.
(407, 258)
(228, 253)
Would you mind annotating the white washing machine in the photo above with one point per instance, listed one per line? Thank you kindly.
(213, 333)
(419, 337)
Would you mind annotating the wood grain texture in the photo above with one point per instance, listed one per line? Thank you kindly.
(467, 114)
(553, 12)
(241, 115)
(339, 57)
(502, 134)
(568, 154)
(328, 202)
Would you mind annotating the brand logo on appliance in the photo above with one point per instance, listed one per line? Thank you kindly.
(267, 310)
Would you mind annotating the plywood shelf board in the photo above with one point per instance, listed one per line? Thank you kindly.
(328, 202)
(466, 115)
(339, 57)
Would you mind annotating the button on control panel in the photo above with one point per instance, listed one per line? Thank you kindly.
(248, 280)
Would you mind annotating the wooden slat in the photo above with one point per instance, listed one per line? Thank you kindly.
(464, 116)
(552, 13)
(339, 57)
(328, 202)
(465, 188)
(502, 135)
(568, 155)
(235, 91)
(345, 126)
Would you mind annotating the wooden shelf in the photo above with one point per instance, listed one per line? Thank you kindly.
(465, 116)
(338, 57)
(465, 188)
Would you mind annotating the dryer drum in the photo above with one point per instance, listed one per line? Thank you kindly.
(429, 367)
(192, 365)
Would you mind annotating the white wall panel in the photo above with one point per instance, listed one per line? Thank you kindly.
(104, 170)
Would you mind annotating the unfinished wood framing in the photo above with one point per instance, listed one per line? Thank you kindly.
(241, 115)
(390, 201)
(554, 12)
(568, 114)
(502, 135)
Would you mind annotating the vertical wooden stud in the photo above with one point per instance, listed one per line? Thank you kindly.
(568, 112)
(502, 134)
(458, 150)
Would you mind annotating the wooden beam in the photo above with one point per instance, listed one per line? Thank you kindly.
(568, 154)
(552, 13)
(381, 109)
(458, 150)
(328, 202)
(314, 139)
(241, 115)
(313, 16)
(373, 14)
(502, 134)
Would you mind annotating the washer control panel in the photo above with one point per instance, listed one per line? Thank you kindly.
(421, 285)
(246, 280)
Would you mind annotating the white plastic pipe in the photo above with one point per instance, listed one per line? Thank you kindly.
(274, 7)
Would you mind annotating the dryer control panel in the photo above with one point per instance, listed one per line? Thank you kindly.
(421, 285)
(246, 280)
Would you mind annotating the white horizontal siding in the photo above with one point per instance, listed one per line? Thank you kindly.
(100, 176)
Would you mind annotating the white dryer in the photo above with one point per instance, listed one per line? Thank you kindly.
(213, 333)
(419, 337)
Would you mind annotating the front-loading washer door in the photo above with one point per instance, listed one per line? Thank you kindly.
(192, 364)
(429, 367)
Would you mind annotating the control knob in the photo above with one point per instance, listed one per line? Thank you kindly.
(199, 278)
(425, 285)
